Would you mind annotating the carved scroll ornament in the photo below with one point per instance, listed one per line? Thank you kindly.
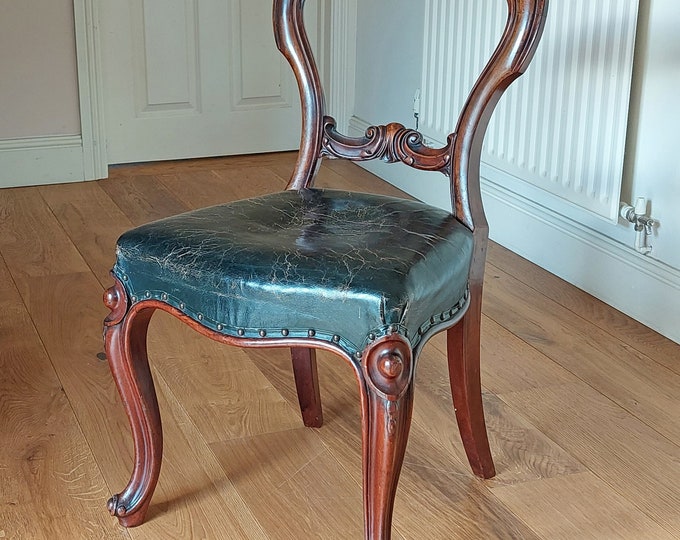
(115, 298)
(390, 143)
(389, 367)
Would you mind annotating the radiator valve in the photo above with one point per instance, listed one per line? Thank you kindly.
(644, 225)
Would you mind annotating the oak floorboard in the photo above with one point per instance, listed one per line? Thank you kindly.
(220, 185)
(32, 242)
(291, 474)
(521, 452)
(252, 181)
(435, 481)
(572, 500)
(629, 456)
(192, 489)
(443, 503)
(286, 159)
(589, 308)
(642, 386)
(510, 364)
(91, 220)
(223, 393)
(142, 198)
(9, 294)
(341, 431)
(194, 498)
(50, 483)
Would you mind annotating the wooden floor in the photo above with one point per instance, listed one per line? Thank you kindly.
(582, 403)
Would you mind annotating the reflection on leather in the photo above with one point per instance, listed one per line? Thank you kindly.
(339, 266)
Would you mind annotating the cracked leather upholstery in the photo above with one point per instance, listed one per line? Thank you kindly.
(339, 266)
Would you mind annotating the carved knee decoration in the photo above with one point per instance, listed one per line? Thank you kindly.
(116, 299)
(389, 367)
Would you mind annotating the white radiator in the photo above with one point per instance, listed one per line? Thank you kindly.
(562, 126)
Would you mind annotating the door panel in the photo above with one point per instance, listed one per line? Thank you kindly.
(165, 33)
(190, 78)
(258, 77)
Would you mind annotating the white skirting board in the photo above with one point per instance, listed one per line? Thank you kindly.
(643, 288)
(41, 160)
(639, 286)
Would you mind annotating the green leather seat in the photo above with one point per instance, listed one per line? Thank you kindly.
(339, 266)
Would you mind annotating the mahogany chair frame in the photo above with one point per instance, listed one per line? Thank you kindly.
(385, 369)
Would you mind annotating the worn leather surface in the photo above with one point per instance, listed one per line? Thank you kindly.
(346, 266)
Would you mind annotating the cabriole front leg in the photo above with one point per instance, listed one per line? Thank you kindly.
(125, 341)
(388, 404)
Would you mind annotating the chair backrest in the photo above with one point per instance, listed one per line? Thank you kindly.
(459, 159)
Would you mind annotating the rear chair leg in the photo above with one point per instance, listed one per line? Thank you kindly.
(125, 341)
(307, 384)
(463, 348)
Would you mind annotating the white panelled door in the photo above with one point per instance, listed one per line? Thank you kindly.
(194, 78)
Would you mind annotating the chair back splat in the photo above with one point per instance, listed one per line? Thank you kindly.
(393, 142)
(368, 277)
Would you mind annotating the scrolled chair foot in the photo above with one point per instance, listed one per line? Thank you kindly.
(115, 509)
(127, 518)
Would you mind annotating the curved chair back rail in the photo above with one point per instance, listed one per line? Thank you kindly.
(460, 158)
(367, 277)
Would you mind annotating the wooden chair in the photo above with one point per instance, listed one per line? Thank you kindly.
(370, 278)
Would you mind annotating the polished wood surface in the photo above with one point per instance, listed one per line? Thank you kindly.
(581, 401)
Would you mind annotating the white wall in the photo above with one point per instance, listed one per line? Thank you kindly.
(588, 251)
(38, 84)
(389, 59)
(48, 130)
(653, 152)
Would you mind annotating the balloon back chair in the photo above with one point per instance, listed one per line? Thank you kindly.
(368, 277)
